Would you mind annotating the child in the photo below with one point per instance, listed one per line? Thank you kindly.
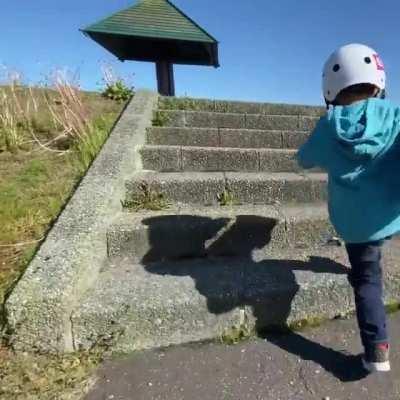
(357, 143)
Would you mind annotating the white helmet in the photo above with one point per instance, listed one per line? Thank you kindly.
(351, 65)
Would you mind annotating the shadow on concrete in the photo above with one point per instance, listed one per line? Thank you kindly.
(231, 278)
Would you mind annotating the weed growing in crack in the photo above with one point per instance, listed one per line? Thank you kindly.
(146, 199)
(226, 198)
(161, 118)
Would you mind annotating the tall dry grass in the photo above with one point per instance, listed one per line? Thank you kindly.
(13, 112)
(69, 112)
(28, 111)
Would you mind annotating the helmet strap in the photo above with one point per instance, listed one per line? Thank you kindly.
(381, 94)
(327, 102)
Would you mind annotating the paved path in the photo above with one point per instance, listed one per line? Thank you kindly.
(319, 363)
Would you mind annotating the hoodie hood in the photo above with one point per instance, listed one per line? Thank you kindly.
(358, 146)
(366, 129)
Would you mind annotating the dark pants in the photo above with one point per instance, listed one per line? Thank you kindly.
(366, 279)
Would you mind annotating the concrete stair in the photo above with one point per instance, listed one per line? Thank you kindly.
(244, 245)
(139, 306)
(253, 188)
(135, 306)
(211, 159)
(240, 241)
(241, 107)
(233, 231)
(203, 119)
(223, 137)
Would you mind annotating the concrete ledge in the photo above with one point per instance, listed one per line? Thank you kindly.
(272, 122)
(134, 307)
(209, 159)
(67, 264)
(293, 140)
(188, 158)
(264, 188)
(190, 187)
(183, 136)
(131, 308)
(186, 103)
(250, 138)
(255, 138)
(225, 231)
(244, 188)
(278, 161)
(225, 137)
(214, 120)
(201, 119)
(161, 158)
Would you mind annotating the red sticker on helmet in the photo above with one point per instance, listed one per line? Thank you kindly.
(379, 63)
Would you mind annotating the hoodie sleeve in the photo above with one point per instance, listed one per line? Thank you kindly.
(311, 153)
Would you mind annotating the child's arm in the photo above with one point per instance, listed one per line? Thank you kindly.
(311, 153)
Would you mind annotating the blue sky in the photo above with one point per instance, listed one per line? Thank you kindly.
(269, 51)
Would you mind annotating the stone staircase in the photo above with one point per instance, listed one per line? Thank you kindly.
(244, 245)
(230, 173)
(202, 154)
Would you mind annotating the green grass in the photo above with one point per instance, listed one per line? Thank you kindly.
(182, 103)
(33, 190)
(392, 307)
(160, 118)
(226, 198)
(236, 335)
(34, 186)
(146, 199)
(44, 377)
(29, 201)
(85, 151)
(42, 122)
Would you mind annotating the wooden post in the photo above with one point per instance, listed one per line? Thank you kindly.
(165, 78)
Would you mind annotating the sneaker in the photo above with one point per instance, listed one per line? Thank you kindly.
(376, 358)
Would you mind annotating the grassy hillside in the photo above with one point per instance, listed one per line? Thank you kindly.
(38, 175)
(47, 141)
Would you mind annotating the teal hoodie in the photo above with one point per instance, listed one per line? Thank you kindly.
(359, 147)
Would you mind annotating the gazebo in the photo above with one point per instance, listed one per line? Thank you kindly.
(156, 31)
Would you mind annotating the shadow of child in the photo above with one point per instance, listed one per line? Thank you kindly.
(230, 278)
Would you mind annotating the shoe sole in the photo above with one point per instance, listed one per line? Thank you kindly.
(376, 367)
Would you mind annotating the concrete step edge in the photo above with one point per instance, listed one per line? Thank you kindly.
(216, 149)
(189, 129)
(234, 231)
(237, 106)
(231, 120)
(191, 112)
(211, 188)
(134, 307)
(316, 210)
(226, 137)
(228, 175)
(199, 158)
